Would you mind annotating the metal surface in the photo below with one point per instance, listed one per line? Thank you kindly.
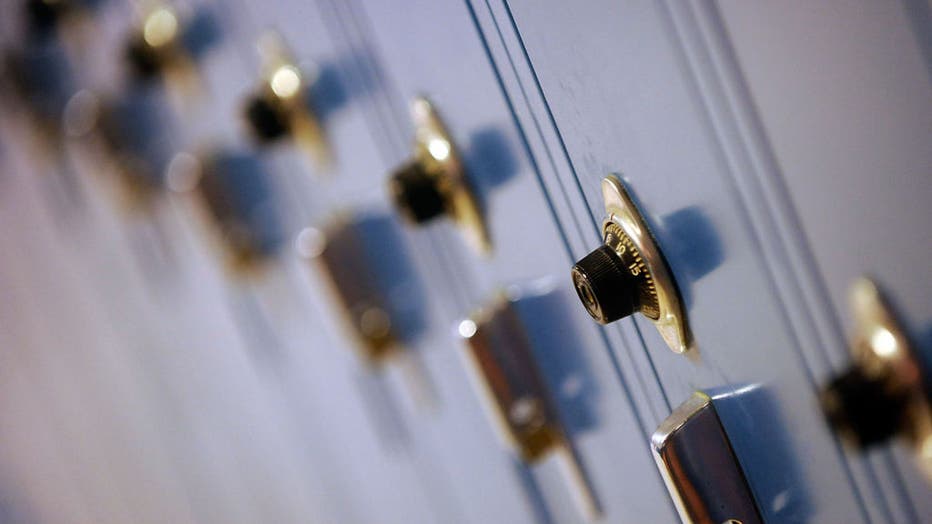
(499, 351)
(699, 467)
(670, 316)
(437, 152)
(885, 356)
(686, 135)
(156, 48)
(340, 254)
(502, 360)
(286, 88)
(152, 398)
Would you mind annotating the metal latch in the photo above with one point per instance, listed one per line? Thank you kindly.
(232, 199)
(500, 355)
(340, 254)
(700, 468)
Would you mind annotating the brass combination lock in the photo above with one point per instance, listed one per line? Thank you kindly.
(627, 274)
(157, 45)
(434, 183)
(884, 394)
(168, 42)
(281, 107)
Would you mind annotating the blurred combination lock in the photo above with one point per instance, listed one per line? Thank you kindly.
(282, 108)
(433, 182)
(885, 392)
(628, 274)
(167, 43)
(157, 44)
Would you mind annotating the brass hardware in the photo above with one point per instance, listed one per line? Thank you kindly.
(433, 182)
(281, 107)
(699, 466)
(884, 393)
(500, 352)
(628, 273)
(156, 47)
(340, 256)
(500, 356)
(233, 204)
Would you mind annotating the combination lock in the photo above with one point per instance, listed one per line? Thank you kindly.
(169, 42)
(434, 182)
(616, 272)
(281, 107)
(157, 44)
(627, 274)
(885, 392)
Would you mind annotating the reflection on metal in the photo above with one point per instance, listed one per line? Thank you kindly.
(282, 107)
(502, 360)
(232, 202)
(341, 257)
(157, 48)
(884, 393)
(629, 274)
(433, 182)
(700, 468)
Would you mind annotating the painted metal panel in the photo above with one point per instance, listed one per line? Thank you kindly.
(642, 94)
(168, 391)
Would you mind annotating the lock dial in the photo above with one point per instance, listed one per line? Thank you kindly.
(434, 183)
(885, 392)
(157, 46)
(627, 274)
(281, 107)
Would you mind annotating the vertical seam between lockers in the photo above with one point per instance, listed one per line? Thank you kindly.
(548, 198)
(613, 358)
(753, 228)
(627, 341)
